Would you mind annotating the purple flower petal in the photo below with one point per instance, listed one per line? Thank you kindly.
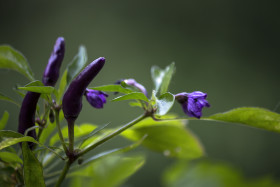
(193, 103)
(96, 98)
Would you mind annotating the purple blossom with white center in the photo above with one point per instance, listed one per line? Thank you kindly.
(192, 103)
(96, 98)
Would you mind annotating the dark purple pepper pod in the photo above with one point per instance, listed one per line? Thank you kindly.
(27, 114)
(51, 73)
(72, 99)
(29, 103)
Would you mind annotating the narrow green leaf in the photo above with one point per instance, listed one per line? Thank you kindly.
(6, 98)
(4, 120)
(77, 64)
(168, 137)
(34, 83)
(11, 141)
(164, 103)
(62, 86)
(33, 172)
(168, 73)
(10, 157)
(135, 104)
(109, 171)
(134, 95)
(114, 151)
(162, 78)
(38, 89)
(83, 139)
(157, 76)
(11, 138)
(14, 60)
(19, 92)
(113, 88)
(254, 117)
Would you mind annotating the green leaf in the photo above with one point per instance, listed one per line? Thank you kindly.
(38, 87)
(10, 157)
(254, 117)
(168, 73)
(113, 88)
(11, 138)
(77, 64)
(157, 76)
(6, 98)
(168, 137)
(162, 78)
(202, 174)
(134, 95)
(206, 173)
(85, 138)
(34, 83)
(135, 104)
(62, 86)
(14, 60)
(4, 120)
(109, 171)
(164, 103)
(114, 151)
(33, 172)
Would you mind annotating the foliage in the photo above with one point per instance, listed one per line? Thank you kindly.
(36, 163)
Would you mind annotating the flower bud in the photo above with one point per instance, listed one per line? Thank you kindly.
(192, 103)
(51, 73)
(132, 82)
(72, 99)
(96, 98)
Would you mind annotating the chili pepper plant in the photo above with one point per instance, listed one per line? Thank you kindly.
(50, 146)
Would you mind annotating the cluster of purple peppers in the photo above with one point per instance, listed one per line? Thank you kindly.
(192, 103)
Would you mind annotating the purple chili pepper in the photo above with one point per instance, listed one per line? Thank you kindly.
(27, 114)
(192, 103)
(72, 99)
(29, 103)
(51, 73)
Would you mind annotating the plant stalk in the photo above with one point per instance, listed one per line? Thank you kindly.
(113, 134)
(71, 136)
(59, 131)
(63, 173)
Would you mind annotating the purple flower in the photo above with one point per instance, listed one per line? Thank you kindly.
(96, 98)
(132, 82)
(192, 103)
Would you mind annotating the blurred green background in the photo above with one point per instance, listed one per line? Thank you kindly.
(229, 49)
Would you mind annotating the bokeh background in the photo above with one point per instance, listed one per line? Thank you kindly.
(229, 49)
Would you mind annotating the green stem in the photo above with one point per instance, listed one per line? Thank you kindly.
(71, 135)
(113, 134)
(63, 173)
(59, 131)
